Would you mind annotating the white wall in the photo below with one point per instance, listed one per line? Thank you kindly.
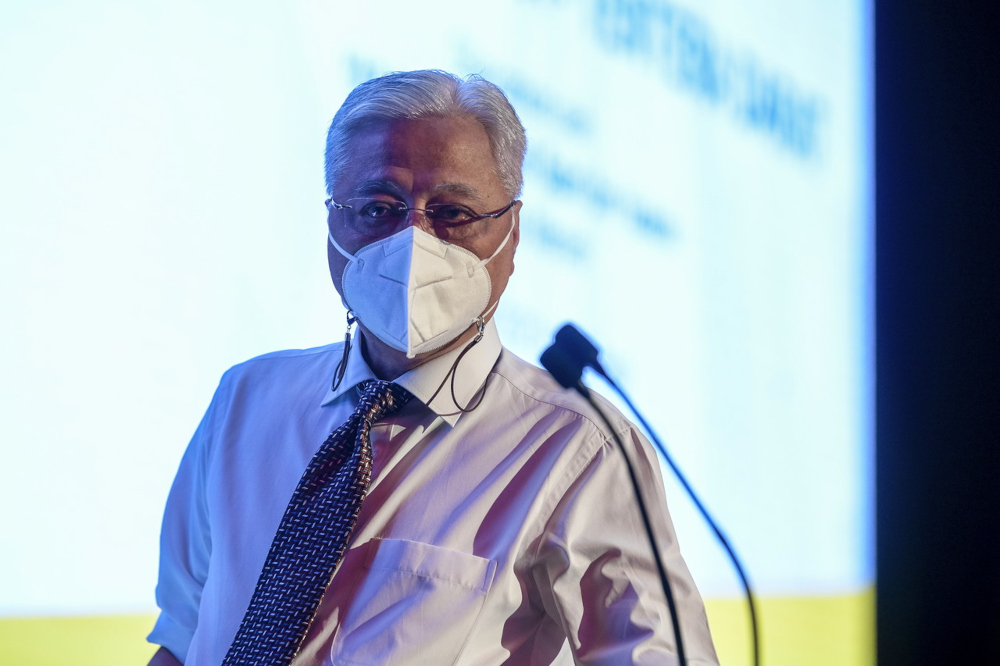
(696, 198)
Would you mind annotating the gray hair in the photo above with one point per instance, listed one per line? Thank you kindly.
(431, 94)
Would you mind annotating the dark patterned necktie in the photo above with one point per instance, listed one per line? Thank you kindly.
(312, 536)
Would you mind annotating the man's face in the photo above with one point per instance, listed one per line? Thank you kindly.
(424, 162)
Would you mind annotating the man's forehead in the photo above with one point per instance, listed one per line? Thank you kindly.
(395, 135)
(449, 156)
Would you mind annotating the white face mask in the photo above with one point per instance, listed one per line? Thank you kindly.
(416, 292)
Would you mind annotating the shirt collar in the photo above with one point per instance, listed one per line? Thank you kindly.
(423, 381)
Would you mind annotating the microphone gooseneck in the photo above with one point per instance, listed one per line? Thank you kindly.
(569, 355)
(563, 361)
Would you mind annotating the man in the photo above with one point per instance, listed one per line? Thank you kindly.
(498, 525)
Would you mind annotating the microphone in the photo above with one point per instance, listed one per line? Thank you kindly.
(568, 355)
(576, 344)
(564, 366)
(565, 360)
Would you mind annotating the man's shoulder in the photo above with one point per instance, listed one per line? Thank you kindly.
(538, 386)
(287, 363)
(534, 382)
(294, 354)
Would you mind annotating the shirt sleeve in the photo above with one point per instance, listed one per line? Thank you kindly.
(596, 573)
(185, 544)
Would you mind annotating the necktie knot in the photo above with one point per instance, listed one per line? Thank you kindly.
(380, 399)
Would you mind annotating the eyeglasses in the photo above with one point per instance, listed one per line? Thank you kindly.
(377, 217)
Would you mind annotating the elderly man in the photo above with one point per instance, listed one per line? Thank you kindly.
(418, 495)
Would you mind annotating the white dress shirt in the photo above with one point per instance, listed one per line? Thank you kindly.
(505, 535)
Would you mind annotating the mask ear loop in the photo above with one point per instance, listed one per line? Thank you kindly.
(503, 244)
(338, 374)
(480, 327)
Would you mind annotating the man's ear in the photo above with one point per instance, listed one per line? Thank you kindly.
(515, 234)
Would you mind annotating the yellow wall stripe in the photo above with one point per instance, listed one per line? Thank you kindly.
(798, 631)
(818, 631)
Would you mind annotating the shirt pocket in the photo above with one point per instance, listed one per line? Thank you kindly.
(417, 604)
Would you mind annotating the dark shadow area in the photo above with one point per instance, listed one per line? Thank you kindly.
(938, 342)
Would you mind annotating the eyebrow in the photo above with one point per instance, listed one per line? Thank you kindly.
(460, 189)
(380, 186)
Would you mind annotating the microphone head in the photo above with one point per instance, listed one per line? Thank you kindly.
(577, 345)
(564, 367)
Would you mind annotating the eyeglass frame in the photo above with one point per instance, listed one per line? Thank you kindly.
(405, 210)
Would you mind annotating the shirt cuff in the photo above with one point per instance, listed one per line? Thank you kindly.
(171, 635)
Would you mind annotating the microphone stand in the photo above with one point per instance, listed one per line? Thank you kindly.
(565, 360)
(568, 373)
